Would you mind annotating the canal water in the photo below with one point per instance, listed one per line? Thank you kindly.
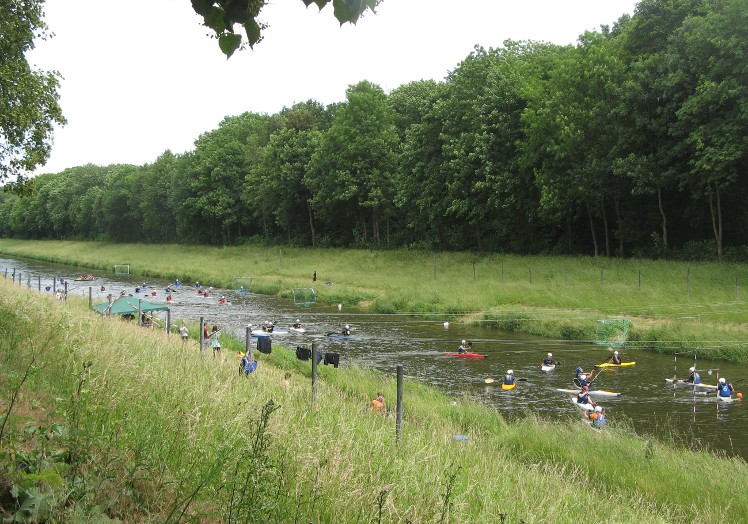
(647, 403)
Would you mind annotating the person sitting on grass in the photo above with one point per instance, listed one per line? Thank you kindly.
(597, 417)
(377, 405)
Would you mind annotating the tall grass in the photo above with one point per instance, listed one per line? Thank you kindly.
(675, 306)
(120, 422)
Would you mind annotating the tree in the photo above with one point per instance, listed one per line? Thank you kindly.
(222, 15)
(29, 106)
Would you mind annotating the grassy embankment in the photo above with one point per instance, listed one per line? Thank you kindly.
(109, 420)
(673, 306)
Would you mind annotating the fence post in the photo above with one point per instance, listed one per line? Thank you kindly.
(399, 419)
(314, 374)
(90, 297)
(502, 271)
(202, 338)
(168, 321)
(39, 282)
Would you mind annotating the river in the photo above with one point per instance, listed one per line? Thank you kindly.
(382, 342)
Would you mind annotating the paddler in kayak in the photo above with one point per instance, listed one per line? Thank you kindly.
(346, 331)
(724, 388)
(463, 347)
(583, 382)
(583, 397)
(548, 360)
(508, 379)
(694, 377)
(616, 359)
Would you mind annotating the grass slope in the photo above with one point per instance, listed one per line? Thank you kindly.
(106, 421)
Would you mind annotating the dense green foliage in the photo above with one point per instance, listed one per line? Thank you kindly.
(104, 421)
(630, 143)
(28, 97)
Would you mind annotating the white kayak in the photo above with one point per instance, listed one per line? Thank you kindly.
(583, 407)
(261, 333)
(297, 330)
(727, 399)
(598, 392)
(547, 367)
(683, 384)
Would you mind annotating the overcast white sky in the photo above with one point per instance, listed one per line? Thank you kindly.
(141, 76)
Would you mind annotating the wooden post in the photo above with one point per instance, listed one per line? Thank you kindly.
(65, 296)
(39, 282)
(202, 332)
(314, 374)
(90, 297)
(168, 321)
(399, 419)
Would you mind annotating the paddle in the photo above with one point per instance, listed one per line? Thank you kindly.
(606, 360)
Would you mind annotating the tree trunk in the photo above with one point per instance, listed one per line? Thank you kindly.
(664, 217)
(311, 222)
(375, 224)
(592, 228)
(605, 228)
(619, 220)
(716, 218)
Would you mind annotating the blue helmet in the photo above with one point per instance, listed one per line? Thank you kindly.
(579, 370)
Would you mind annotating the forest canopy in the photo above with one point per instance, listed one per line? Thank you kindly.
(630, 143)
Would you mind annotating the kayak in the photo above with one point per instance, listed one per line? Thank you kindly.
(508, 386)
(261, 333)
(727, 399)
(297, 330)
(583, 407)
(611, 365)
(598, 392)
(683, 384)
(547, 367)
(465, 355)
(344, 337)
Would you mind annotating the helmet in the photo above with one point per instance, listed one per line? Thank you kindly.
(464, 342)
(722, 380)
(550, 355)
(509, 372)
(598, 409)
(585, 388)
(583, 376)
(297, 320)
(615, 352)
(579, 370)
(347, 326)
(692, 369)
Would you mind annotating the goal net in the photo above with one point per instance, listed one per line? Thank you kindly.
(304, 296)
(122, 269)
(242, 284)
(612, 332)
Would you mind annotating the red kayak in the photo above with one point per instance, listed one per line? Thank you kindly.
(464, 355)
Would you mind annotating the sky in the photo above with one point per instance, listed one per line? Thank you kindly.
(142, 76)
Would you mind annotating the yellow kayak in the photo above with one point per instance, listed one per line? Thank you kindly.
(611, 365)
(508, 386)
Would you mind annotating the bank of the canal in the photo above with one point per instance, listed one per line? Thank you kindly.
(383, 341)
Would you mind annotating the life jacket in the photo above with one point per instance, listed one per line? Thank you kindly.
(508, 380)
(548, 362)
(583, 398)
(724, 390)
(599, 420)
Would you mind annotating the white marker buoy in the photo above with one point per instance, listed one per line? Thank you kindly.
(446, 325)
(340, 307)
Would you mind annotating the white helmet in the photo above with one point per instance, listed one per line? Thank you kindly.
(598, 408)
(550, 355)
(297, 320)
(583, 377)
(692, 369)
(722, 380)
(509, 372)
(347, 326)
(464, 342)
(615, 352)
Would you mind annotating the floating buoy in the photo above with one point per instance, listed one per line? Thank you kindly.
(446, 325)
(740, 395)
(340, 307)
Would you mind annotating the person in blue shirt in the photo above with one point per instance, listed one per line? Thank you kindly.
(694, 377)
(508, 378)
(724, 388)
(597, 417)
(548, 360)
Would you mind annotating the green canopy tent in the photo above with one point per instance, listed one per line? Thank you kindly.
(128, 306)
